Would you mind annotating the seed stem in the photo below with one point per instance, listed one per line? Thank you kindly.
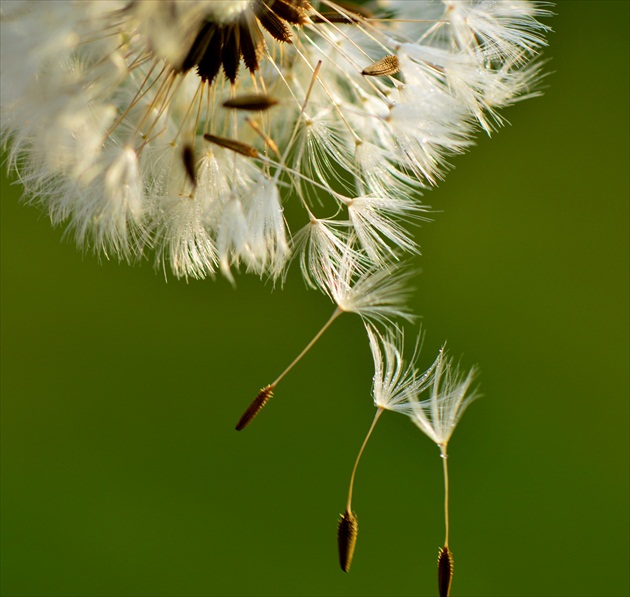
(334, 316)
(267, 392)
(379, 412)
(445, 467)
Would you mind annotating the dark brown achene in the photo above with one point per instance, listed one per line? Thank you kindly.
(347, 539)
(255, 407)
(225, 45)
(445, 571)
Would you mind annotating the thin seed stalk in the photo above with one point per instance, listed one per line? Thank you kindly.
(267, 392)
(446, 515)
(379, 412)
(445, 559)
(317, 336)
(348, 525)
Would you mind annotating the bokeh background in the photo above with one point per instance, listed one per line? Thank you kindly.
(122, 473)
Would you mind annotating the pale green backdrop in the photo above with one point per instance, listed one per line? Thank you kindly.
(121, 471)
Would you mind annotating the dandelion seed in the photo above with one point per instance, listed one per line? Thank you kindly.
(377, 224)
(397, 386)
(437, 417)
(394, 384)
(237, 146)
(255, 102)
(334, 17)
(374, 295)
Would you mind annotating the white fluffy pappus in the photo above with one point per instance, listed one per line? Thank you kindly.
(116, 119)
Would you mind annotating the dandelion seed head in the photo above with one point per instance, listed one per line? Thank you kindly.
(112, 111)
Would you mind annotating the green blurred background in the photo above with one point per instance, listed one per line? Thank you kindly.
(121, 471)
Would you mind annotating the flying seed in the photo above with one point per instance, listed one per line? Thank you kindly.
(233, 144)
(347, 539)
(445, 571)
(255, 407)
(255, 102)
(383, 67)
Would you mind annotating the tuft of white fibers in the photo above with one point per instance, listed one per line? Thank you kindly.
(377, 222)
(115, 117)
(450, 394)
(267, 229)
(396, 382)
(375, 294)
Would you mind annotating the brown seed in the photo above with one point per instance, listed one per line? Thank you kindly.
(289, 10)
(255, 407)
(253, 101)
(188, 157)
(199, 46)
(445, 571)
(231, 53)
(382, 68)
(272, 22)
(209, 60)
(252, 40)
(347, 539)
(233, 144)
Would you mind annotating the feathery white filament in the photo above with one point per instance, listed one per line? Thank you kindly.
(106, 104)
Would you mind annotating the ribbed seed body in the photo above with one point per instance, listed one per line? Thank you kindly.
(445, 571)
(347, 539)
(255, 407)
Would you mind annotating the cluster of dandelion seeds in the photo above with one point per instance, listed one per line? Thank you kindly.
(179, 130)
(398, 386)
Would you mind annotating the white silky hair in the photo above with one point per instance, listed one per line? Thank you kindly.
(106, 126)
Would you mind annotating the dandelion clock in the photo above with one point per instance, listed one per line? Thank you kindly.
(178, 131)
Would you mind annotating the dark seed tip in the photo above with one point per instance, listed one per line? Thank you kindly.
(445, 571)
(255, 407)
(347, 539)
(188, 157)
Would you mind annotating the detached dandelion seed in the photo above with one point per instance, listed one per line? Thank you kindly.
(437, 417)
(261, 400)
(374, 295)
(393, 387)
